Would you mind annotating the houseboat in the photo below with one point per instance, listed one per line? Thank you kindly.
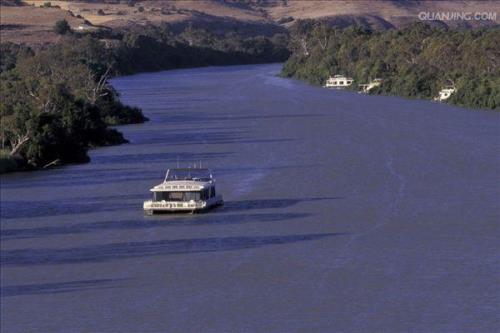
(445, 93)
(338, 81)
(366, 87)
(184, 190)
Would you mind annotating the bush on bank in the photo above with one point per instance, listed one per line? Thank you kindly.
(7, 162)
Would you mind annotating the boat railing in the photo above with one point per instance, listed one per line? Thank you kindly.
(196, 174)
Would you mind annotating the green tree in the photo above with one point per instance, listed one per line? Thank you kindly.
(416, 61)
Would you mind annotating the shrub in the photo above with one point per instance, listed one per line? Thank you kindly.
(7, 162)
(286, 19)
(62, 27)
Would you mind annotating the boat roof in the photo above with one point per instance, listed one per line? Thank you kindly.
(188, 169)
(185, 179)
(182, 185)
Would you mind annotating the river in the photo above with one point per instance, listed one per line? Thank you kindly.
(344, 213)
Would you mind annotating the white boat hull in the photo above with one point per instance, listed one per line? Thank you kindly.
(153, 207)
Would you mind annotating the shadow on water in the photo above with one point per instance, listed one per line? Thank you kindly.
(152, 222)
(55, 288)
(203, 118)
(97, 177)
(267, 203)
(68, 206)
(71, 206)
(109, 252)
(216, 217)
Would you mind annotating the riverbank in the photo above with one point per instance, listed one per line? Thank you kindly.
(70, 106)
(7, 162)
(414, 62)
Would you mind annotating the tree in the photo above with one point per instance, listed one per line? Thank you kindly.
(62, 27)
(416, 61)
(56, 103)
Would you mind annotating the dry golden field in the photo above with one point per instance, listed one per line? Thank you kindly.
(32, 24)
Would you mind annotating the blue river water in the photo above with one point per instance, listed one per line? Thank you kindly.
(344, 213)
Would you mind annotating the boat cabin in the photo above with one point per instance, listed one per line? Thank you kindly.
(338, 81)
(187, 189)
(445, 93)
(366, 87)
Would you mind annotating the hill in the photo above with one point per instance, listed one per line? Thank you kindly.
(32, 24)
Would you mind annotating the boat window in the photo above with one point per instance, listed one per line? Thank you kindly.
(177, 196)
(159, 196)
(188, 196)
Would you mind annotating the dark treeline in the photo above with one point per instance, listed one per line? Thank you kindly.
(56, 103)
(153, 48)
(415, 62)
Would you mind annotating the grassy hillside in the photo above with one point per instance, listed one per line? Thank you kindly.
(31, 24)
